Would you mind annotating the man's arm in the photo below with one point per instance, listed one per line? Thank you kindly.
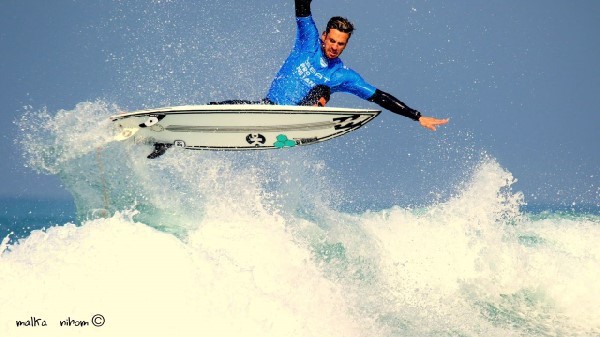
(394, 105)
(302, 8)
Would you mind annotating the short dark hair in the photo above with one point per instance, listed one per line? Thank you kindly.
(341, 24)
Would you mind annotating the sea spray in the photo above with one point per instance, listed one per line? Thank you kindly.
(50, 140)
(249, 244)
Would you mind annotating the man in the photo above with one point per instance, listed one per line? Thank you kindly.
(313, 70)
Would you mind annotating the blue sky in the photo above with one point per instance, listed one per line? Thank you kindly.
(519, 80)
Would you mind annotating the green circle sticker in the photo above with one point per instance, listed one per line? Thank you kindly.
(283, 141)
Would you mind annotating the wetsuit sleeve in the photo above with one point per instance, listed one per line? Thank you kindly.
(352, 83)
(307, 35)
(394, 105)
(302, 8)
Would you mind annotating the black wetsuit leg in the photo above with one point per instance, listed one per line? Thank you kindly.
(234, 101)
(242, 101)
(313, 96)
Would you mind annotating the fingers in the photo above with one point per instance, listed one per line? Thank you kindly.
(432, 123)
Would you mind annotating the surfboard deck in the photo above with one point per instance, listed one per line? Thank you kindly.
(239, 126)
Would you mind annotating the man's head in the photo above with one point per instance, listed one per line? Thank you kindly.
(336, 35)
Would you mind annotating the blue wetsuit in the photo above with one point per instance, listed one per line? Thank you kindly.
(307, 68)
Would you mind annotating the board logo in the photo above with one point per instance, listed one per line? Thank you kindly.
(283, 141)
(152, 119)
(349, 122)
(179, 143)
(256, 139)
(301, 141)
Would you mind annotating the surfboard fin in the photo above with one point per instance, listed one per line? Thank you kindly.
(159, 150)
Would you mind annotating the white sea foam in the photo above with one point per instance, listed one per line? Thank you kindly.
(223, 244)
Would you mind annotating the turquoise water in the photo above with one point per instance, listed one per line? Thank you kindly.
(260, 244)
(18, 217)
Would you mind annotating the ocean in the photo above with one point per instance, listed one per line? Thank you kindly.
(265, 244)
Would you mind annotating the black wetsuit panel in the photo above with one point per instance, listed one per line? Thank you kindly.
(302, 8)
(394, 105)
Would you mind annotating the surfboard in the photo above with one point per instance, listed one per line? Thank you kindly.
(239, 126)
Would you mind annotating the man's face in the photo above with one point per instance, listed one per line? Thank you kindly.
(334, 43)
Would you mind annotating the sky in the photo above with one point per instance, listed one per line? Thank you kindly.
(518, 80)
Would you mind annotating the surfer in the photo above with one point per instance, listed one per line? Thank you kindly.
(313, 70)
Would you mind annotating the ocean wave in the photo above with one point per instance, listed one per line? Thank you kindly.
(210, 243)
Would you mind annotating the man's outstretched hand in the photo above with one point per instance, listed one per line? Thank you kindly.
(432, 123)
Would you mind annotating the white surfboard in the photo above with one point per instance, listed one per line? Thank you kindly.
(239, 126)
